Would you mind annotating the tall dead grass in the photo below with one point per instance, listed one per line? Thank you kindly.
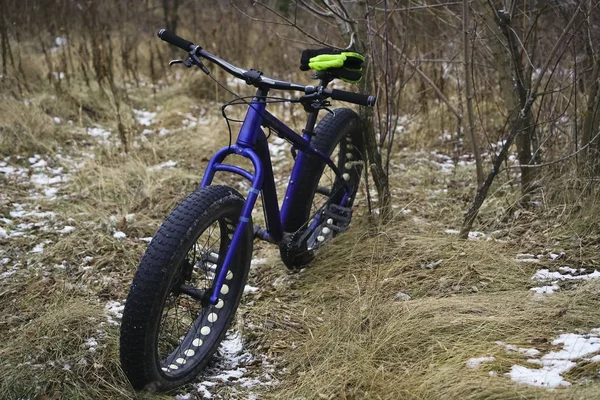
(362, 341)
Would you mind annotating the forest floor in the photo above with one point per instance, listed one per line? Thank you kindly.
(387, 311)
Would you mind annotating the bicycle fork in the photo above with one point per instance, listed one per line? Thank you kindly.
(215, 165)
(252, 144)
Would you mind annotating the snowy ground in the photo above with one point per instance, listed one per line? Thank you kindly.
(568, 351)
(548, 368)
(30, 225)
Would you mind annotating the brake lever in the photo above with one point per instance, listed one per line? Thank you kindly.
(322, 105)
(329, 110)
(194, 59)
(188, 63)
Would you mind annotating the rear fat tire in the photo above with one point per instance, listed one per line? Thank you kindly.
(343, 128)
(164, 269)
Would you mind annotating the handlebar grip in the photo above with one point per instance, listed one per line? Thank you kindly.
(356, 98)
(175, 40)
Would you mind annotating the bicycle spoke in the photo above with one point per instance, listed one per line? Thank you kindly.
(183, 312)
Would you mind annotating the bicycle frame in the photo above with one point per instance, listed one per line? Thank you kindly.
(252, 144)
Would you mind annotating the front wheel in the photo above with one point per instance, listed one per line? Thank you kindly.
(316, 215)
(169, 329)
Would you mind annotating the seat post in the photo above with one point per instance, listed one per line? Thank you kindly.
(312, 117)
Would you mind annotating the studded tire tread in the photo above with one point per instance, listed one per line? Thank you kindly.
(149, 288)
(329, 132)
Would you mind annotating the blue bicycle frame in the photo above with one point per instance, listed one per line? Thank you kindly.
(252, 144)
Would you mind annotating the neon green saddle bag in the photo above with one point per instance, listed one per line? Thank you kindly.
(342, 64)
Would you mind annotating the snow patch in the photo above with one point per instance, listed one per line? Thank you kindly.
(258, 261)
(565, 274)
(575, 347)
(143, 117)
(42, 179)
(119, 235)
(91, 344)
(166, 164)
(9, 170)
(250, 289)
(476, 362)
(400, 296)
(39, 248)
(99, 133)
(475, 235)
(545, 289)
(527, 258)
(230, 368)
(113, 309)
(67, 229)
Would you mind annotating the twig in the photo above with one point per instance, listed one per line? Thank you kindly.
(423, 7)
(336, 13)
(314, 10)
(558, 43)
(287, 20)
(556, 161)
(426, 78)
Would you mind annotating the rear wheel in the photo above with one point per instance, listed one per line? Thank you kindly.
(169, 329)
(316, 218)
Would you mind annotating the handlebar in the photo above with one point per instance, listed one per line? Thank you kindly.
(175, 40)
(350, 97)
(257, 79)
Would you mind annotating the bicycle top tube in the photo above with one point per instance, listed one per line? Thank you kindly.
(256, 78)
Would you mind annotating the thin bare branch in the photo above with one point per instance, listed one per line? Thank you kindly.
(560, 159)
(426, 78)
(421, 7)
(308, 7)
(335, 12)
(288, 22)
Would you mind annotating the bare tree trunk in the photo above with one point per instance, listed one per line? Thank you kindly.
(375, 162)
(468, 78)
(170, 13)
(6, 52)
(591, 120)
(517, 126)
(171, 19)
(363, 44)
(514, 86)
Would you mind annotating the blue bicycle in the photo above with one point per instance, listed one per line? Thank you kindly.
(192, 276)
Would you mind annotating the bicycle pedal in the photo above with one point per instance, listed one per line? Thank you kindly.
(338, 218)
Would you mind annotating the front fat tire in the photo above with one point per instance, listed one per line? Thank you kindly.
(160, 271)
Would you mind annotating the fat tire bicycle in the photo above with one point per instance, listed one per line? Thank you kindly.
(191, 278)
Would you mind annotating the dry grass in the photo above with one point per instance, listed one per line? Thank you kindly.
(334, 330)
(365, 343)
